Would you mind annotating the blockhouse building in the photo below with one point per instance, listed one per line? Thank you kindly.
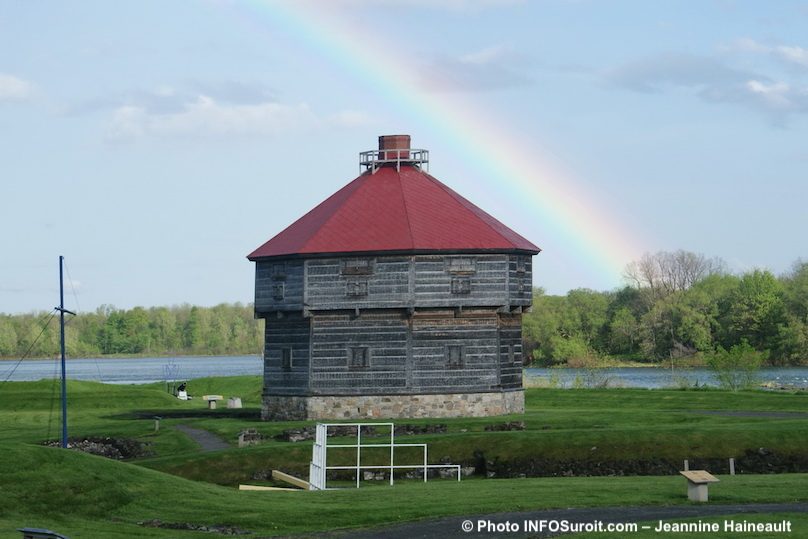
(395, 297)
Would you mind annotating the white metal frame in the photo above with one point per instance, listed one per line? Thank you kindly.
(318, 468)
(373, 159)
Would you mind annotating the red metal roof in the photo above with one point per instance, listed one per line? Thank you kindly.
(394, 210)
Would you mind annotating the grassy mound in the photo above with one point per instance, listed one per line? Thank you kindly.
(86, 496)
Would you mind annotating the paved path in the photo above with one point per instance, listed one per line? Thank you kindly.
(742, 413)
(451, 527)
(206, 439)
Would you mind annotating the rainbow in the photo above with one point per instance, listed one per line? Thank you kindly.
(584, 233)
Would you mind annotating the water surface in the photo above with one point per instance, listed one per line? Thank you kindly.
(157, 369)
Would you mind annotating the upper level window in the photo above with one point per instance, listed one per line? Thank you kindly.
(461, 285)
(356, 288)
(522, 286)
(461, 264)
(277, 291)
(357, 266)
(521, 264)
(278, 271)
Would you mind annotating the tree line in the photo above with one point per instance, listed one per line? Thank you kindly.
(676, 305)
(225, 329)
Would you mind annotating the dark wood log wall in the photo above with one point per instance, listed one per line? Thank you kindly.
(390, 282)
(393, 324)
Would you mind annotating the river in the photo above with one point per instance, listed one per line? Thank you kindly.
(655, 377)
(157, 369)
(141, 370)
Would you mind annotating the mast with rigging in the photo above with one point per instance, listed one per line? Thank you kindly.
(62, 311)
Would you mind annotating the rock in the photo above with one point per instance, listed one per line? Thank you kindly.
(447, 473)
(512, 425)
(410, 430)
(111, 448)
(249, 437)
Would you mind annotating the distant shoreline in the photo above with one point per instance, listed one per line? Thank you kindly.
(131, 356)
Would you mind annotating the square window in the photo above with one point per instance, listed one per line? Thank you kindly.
(286, 359)
(357, 266)
(278, 271)
(358, 357)
(521, 287)
(356, 288)
(277, 291)
(461, 285)
(461, 265)
(454, 356)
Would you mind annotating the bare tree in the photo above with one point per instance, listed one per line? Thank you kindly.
(664, 273)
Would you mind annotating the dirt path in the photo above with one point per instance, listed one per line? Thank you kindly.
(452, 526)
(206, 439)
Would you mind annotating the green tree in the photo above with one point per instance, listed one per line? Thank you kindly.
(8, 337)
(757, 310)
(624, 332)
(736, 368)
(586, 310)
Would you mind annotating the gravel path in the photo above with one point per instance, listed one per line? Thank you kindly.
(452, 526)
(206, 439)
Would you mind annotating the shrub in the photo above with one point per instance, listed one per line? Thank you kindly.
(736, 368)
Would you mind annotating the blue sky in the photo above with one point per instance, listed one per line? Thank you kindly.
(155, 144)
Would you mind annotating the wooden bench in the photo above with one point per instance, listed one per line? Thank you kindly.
(697, 482)
(212, 400)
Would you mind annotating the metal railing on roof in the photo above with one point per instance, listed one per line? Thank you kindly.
(374, 159)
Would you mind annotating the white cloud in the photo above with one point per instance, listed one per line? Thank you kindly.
(492, 68)
(350, 118)
(716, 81)
(794, 55)
(14, 89)
(487, 55)
(207, 117)
(775, 94)
(790, 54)
(446, 5)
(655, 73)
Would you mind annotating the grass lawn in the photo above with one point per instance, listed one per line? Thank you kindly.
(86, 496)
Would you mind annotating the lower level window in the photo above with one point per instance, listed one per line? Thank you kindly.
(286, 359)
(358, 357)
(454, 356)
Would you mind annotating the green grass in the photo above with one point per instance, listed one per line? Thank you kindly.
(86, 496)
(89, 496)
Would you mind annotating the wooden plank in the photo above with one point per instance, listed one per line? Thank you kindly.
(292, 480)
(700, 476)
(260, 487)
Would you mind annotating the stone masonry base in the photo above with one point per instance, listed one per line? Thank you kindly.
(281, 408)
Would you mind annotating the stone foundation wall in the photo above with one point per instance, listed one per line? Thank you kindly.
(282, 408)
